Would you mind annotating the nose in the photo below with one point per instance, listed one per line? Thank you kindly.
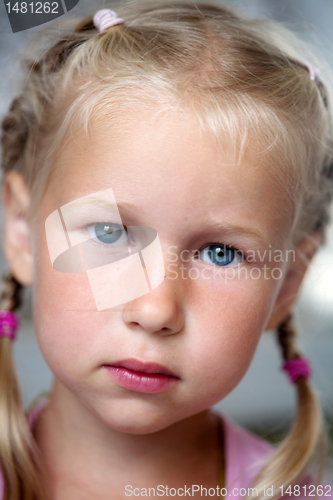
(159, 311)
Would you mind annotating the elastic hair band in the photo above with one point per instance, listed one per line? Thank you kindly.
(8, 324)
(297, 367)
(314, 72)
(105, 18)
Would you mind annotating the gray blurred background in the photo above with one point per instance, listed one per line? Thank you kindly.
(264, 400)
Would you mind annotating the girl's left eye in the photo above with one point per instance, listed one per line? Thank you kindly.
(108, 233)
(221, 255)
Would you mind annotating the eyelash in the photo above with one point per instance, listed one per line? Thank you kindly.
(219, 243)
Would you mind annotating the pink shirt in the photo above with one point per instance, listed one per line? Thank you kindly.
(245, 453)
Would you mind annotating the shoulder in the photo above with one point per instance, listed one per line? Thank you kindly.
(245, 454)
(240, 441)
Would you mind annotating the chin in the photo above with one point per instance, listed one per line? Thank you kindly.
(139, 424)
(144, 419)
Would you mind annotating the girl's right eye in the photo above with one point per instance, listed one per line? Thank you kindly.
(108, 233)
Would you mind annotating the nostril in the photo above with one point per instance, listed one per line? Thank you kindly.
(133, 323)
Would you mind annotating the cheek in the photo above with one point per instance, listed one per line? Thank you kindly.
(226, 330)
(64, 312)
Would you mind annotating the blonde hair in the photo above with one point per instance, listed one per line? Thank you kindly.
(239, 78)
(19, 460)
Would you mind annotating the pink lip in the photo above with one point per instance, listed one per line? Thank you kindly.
(141, 376)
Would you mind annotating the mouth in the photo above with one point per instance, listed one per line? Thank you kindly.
(142, 376)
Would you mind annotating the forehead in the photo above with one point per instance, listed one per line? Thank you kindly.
(162, 162)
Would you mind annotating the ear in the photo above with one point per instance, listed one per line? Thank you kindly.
(304, 253)
(16, 231)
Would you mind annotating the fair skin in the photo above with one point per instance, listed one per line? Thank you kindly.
(96, 436)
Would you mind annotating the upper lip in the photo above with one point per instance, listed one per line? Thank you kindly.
(143, 367)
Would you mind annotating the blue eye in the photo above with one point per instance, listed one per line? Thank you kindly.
(108, 233)
(221, 255)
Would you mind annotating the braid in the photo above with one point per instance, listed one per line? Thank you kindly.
(286, 337)
(326, 189)
(295, 453)
(309, 419)
(11, 296)
(325, 183)
(326, 174)
(15, 132)
(28, 114)
(18, 456)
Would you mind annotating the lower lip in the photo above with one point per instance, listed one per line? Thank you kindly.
(150, 383)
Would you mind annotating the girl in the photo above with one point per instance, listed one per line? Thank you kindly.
(152, 157)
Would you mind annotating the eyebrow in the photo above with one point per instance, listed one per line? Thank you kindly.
(225, 227)
(232, 229)
(95, 201)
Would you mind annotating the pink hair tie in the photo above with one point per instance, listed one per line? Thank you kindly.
(8, 324)
(105, 18)
(314, 72)
(297, 367)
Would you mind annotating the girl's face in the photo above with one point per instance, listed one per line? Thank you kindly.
(203, 322)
